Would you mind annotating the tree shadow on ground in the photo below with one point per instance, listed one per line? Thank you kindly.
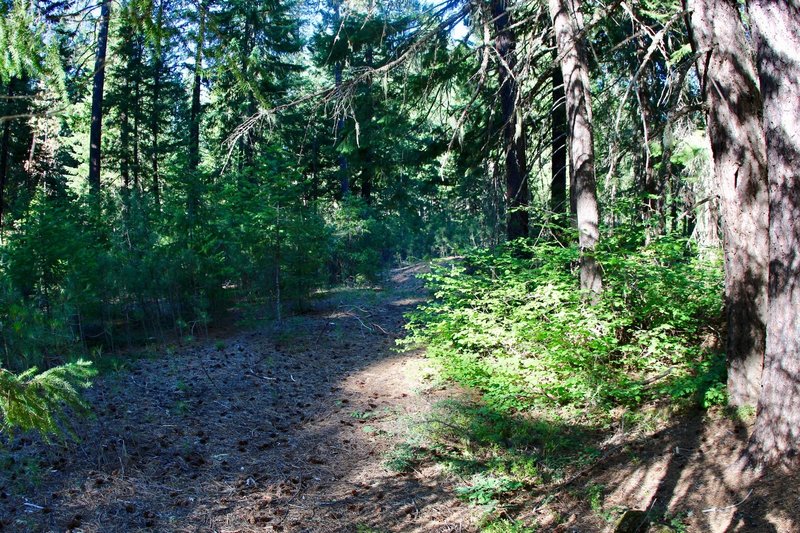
(283, 429)
(687, 475)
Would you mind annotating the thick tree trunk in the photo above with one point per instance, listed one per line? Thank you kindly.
(96, 132)
(568, 25)
(514, 142)
(558, 115)
(776, 31)
(733, 112)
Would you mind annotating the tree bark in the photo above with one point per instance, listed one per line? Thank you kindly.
(136, 63)
(192, 196)
(558, 161)
(155, 119)
(653, 206)
(5, 147)
(514, 142)
(733, 110)
(368, 165)
(344, 177)
(124, 141)
(249, 140)
(568, 25)
(194, 119)
(776, 31)
(96, 132)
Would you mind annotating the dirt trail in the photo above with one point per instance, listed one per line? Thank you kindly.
(257, 431)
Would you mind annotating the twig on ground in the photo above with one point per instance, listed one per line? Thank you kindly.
(363, 325)
(392, 335)
(715, 509)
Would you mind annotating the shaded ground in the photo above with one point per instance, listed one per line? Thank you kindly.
(293, 429)
(266, 430)
(682, 475)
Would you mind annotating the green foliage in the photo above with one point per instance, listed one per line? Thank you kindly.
(512, 324)
(484, 489)
(476, 440)
(34, 400)
(594, 493)
(247, 212)
(24, 49)
(507, 526)
(359, 239)
(402, 458)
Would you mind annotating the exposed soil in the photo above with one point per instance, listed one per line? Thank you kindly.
(686, 475)
(289, 429)
(264, 430)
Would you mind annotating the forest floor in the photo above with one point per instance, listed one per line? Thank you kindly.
(306, 427)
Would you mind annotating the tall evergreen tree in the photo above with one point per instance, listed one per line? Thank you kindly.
(568, 26)
(733, 104)
(776, 31)
(95, 137)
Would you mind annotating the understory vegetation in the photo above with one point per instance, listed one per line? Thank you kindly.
(78, 281)
(556, 376)
(510, 323)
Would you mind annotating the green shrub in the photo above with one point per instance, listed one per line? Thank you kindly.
(512, 323)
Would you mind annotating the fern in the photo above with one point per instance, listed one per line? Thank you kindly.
(37, 401)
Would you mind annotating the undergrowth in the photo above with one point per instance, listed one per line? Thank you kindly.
(511, 323)
(553, 371)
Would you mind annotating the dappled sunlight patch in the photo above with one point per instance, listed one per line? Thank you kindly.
(687, 472)
(406, 302)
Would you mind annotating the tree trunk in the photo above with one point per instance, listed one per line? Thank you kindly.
(733, 102)
(776, 31)
(344, 178)
(568, 25)
(155, 119)
(514, 142)
(125, 142)
(194, 119)
(136, 62)
(96, 132)
(651, 209)
(5, 148)
(249, 140)
(558, 184)
(368, 165)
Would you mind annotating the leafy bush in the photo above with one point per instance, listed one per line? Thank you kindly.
(512, 323)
